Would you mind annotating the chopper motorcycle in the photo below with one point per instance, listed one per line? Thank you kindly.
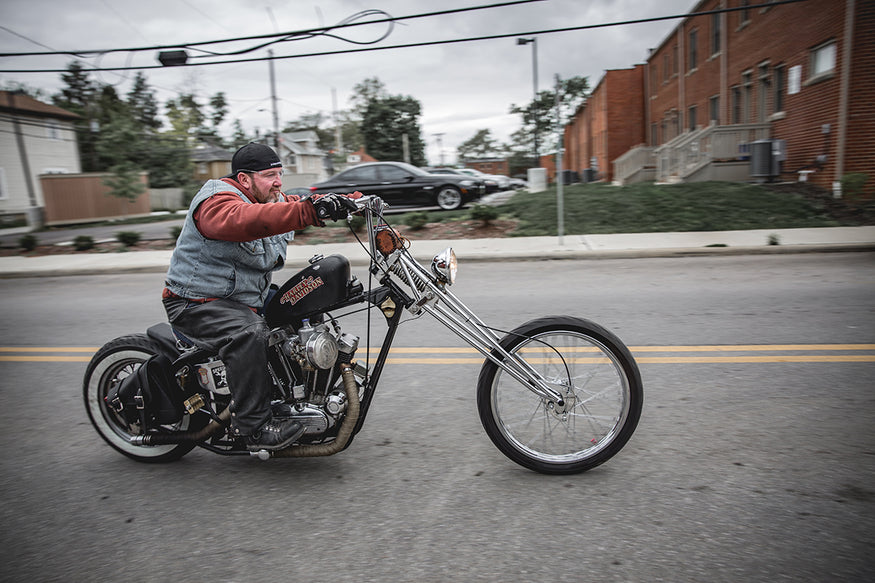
(557, 395)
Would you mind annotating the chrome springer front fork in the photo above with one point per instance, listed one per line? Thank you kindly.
(433, 297)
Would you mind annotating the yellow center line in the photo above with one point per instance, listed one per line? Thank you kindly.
(538, 354)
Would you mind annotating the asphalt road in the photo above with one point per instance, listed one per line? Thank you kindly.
(754, 459)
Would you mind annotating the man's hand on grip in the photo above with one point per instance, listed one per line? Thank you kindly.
(333, 207)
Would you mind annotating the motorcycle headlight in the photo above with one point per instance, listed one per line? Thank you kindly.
(444, 266)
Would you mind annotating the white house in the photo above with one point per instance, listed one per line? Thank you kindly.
(35, 138)
(303, 161)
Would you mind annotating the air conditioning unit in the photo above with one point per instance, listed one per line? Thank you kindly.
(766, 157)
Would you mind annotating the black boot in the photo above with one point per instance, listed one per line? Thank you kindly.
(275, 434)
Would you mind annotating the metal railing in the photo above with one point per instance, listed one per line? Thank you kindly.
(686, 154)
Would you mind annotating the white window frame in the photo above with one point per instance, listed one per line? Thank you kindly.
(53, 129)
(4, 191)
(822, 55)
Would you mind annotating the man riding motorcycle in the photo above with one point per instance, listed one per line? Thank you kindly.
(234, 236)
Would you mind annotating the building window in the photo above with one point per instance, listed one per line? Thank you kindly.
(53, 129)
(715, 33)
(674, 59)
(666, 67)
(823, 59)
(693, 49)
(202, 168)
(714, 109)
(744, 13)
(654, 135)
(746, 97)
(654, 78)
(765, 83)
(779, 75)
(736, 104)
(691, 114)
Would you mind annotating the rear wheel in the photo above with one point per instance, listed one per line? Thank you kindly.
(599, 383)
(113, 362)
(449, 198)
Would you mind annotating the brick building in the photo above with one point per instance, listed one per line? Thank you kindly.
(607, 125)
(803, 73)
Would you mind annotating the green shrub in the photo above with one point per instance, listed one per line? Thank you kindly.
(128, 238)
(852, 184)
(416, 220)
(28, 242)
(486, 214)
(83, 243)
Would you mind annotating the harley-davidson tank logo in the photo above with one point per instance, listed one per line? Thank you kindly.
(300, 290)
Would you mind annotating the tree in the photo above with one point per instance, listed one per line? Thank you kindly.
(79, 97)
(239, 137)
(363, 93)
(186, 116)
(143, 105)
(539, 115)
(481, 145)
(386, 120)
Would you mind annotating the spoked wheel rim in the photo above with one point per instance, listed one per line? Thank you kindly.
(597, 400)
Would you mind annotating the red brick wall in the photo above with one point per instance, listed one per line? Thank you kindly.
(610, 123)
(501, 167)
(860, 142)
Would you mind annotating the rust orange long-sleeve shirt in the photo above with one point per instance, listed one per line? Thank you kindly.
(225, 217)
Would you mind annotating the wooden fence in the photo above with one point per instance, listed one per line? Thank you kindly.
(80, 198)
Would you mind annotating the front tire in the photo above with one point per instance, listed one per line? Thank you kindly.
(114, 361)
(449, 198)
(600, 383)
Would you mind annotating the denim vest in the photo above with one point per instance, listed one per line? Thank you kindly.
(207, 268)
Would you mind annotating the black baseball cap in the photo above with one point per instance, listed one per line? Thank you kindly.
(253, 158)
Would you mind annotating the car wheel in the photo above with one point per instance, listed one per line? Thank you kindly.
(449, 198)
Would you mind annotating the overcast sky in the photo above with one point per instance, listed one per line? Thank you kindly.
(462, 87)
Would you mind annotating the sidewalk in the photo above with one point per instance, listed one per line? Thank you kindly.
(628, 245)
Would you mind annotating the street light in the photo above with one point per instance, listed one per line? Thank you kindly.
(534, 42)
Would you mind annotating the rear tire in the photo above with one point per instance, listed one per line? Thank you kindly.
(116, 360)
(600, 385)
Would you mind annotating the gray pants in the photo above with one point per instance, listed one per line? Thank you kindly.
(240, 336)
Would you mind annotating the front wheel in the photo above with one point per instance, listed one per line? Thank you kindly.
(113, 362)
(449, 198)
(601, 388)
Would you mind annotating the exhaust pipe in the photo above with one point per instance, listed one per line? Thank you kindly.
(184, 436)
(346, 428)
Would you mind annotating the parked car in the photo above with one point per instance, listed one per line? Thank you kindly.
(401, 184)
(490, 183)
(301, 191)
(503, 182)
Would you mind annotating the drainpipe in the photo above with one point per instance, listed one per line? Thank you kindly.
(844, 93)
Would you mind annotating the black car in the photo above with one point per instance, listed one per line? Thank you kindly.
(401, 184)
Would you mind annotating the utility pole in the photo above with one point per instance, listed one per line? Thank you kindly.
(276, 119)
(440, 144)
(560, 201)
(338, 136)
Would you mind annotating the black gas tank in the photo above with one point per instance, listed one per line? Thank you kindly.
(309, 291)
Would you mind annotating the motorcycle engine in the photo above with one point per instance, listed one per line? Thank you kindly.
(315, 345)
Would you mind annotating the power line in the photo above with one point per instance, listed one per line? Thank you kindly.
(306, 32)
(430, 43)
